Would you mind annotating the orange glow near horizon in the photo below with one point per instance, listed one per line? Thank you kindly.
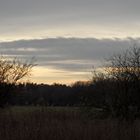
(51, 75)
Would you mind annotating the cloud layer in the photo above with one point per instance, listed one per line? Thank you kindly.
(66, 52)
(67, 55)
(96, 18)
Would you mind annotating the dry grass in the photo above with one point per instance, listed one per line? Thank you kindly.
(62, 124)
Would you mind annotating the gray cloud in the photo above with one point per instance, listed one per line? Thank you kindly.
(18, 8)
(70, 54)
(24, 15)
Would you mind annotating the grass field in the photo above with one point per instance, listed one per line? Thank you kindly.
(62, 123)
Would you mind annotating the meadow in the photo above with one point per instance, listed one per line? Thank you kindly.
(62, 123)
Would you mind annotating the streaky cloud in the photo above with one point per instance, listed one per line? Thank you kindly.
(70, 54)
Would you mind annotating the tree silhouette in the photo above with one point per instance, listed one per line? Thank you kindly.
(124, 70)
(117, 88)
(12, 71)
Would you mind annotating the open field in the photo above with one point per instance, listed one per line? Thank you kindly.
(42, 123)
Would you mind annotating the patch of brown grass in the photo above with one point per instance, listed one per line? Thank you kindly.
(46, 124)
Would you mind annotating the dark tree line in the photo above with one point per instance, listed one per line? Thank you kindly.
(41, 94)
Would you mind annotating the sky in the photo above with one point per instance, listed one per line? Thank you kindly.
(67, 37)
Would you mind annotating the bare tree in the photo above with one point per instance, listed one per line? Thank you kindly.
(118, 84)
(125, 66)
(124, 70)
(13, 70)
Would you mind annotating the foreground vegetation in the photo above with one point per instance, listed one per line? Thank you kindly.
(38, 123)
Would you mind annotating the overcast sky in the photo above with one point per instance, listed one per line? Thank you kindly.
(23, 19)
(89, 29)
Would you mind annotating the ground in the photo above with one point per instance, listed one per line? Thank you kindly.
(62, 123)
